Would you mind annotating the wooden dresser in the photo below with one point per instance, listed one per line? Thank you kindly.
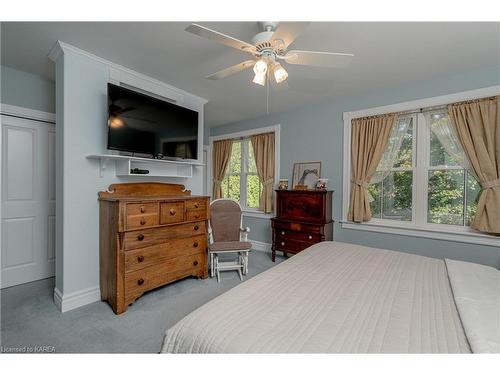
(303, 218)
(150, 234)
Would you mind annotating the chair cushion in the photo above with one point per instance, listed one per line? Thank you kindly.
(230, 246)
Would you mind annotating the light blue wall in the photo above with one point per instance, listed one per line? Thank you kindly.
(315, 132)
(27, 90)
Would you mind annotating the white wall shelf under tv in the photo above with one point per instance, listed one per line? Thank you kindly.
(156, 167)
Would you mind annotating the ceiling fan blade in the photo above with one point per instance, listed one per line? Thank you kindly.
(220, 38)
(288, 32)
(315, 58)
(232, 70)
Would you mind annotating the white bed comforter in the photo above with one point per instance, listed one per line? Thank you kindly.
(332, 298)
(476, 289)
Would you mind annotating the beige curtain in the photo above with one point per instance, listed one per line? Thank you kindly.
(477, 124)
(264, 152)
(369, 140)
(221, 156)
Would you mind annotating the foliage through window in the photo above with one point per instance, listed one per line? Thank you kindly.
(433, 188)
(242, 182)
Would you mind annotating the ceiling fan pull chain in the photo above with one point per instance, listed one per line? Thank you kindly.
(268, 83)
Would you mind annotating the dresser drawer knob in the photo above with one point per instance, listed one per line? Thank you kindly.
(195, 263)
(282, 233)
(143, 221)
(140, 281)
(195, 244)
(310, 237)
(140, 237)
(140, 258)
(196, 227)
(172, 211)
(282, 244)
(143, 209)
(196, 205)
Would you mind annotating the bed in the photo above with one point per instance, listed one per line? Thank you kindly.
(342, 298)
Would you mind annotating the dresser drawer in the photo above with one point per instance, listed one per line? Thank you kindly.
(141, 221)
(196, 204)
(292, 246)
(285, 235)
(279, 226)
(171, 212)
(148, 256)
(138, 282)
(141, 208)
(147, 237)
(196, 215)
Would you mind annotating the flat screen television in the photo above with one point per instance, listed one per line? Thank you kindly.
(145, 125)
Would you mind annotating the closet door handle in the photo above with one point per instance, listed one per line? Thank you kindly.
(140, 237)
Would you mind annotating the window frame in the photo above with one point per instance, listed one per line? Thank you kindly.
(418, 227)
(247, 211)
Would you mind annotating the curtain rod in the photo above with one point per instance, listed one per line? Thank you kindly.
(423, 110)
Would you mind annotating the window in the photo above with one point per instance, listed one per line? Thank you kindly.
(424, 190)
(451, 192)
(242, 182)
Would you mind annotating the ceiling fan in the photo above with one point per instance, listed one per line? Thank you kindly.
(269, 50)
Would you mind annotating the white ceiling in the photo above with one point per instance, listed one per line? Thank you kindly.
(386, 55)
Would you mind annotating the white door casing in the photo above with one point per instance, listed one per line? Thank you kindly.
(28, 200)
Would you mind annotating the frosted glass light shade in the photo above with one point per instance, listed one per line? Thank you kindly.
(280, 74)
(260, 79)
(260, 67)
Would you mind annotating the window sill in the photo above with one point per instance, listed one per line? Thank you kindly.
(464, 235)
(257, 214)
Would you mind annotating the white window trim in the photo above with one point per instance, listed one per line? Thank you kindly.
(433, 231)
(245, 134)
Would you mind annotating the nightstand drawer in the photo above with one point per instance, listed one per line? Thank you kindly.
(285, 235)
(291, 246)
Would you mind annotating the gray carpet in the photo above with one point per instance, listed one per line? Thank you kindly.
(30, 318)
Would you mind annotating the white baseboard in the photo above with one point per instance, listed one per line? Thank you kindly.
(261, 246)
(70, 301)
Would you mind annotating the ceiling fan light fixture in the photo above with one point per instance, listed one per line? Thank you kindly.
(260, 79)
(260, 68)
(280, 74)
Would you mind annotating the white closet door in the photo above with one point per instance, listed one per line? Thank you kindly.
(28, 200)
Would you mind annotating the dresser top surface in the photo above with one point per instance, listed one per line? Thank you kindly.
(310, 191)
(152, 198)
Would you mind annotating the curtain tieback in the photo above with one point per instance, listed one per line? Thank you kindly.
(361, 183)
(268, 182)
(217, 182)
(491, 184)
